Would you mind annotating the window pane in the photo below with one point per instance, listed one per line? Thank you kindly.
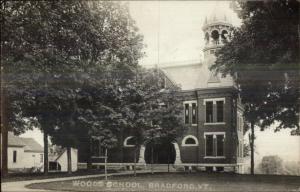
(209, 145)
(194, 113)
(220, 111)
(186, 113)
(190, 141)
(220, 145)
(209, 111)
(15, 156)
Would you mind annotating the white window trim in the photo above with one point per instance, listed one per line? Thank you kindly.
(190, 102)
(214, 100)
(214, 137)
(215, 134)
(183, 144)
(214, 157)
(215, 123)
(185, 113)
(125, 142)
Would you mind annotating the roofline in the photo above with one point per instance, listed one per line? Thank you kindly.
(35, 151)
(210, 24)
(61, 154)
(16, 145)
(182, 65)
(208, 88)
(175, 64)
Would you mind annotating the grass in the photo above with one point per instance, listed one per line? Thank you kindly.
(11, 177)
(179, 182)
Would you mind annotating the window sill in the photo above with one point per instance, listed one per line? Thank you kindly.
(129, 145)
(214, 157)
(98, 157)
(215, 123)
(191, 124)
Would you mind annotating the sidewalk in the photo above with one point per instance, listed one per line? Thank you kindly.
(19, 186)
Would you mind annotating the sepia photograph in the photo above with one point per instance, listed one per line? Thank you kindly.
(150, 95)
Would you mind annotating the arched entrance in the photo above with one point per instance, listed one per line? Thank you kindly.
(162, 153)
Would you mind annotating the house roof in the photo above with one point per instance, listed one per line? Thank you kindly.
(32, 145)
(195, 76)
(14, 141)
(29, 144)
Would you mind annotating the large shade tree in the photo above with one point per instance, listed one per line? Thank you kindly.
(263, 55)
(52, 52)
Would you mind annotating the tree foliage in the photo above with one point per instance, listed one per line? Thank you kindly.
(263, 55)
(271, 165)
(58, 56)
(72, 70)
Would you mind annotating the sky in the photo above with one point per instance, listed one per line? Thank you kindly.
(172, 32)
(173, 29)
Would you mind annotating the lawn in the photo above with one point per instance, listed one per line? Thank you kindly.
(179, 182)
(31, 176)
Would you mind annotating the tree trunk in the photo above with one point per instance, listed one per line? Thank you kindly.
(252, 148)
(152, 160)
(169, 148)
(46, 163)
(69, 157)
(89, 156)
(134, 168)
(4, 124)
(4, 144)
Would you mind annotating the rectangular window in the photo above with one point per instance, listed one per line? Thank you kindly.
(41, 158)
(194, 113)
(220, 145)
(209, 111)
(186, 113)
(220, 111)
(14, 156)
(209, 145)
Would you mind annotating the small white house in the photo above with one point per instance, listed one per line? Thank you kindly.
(58, 160)
(24, 154)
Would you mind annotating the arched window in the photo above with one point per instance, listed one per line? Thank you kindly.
(224, 36)
(129, 142)
(189, 140)
(215, 36)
